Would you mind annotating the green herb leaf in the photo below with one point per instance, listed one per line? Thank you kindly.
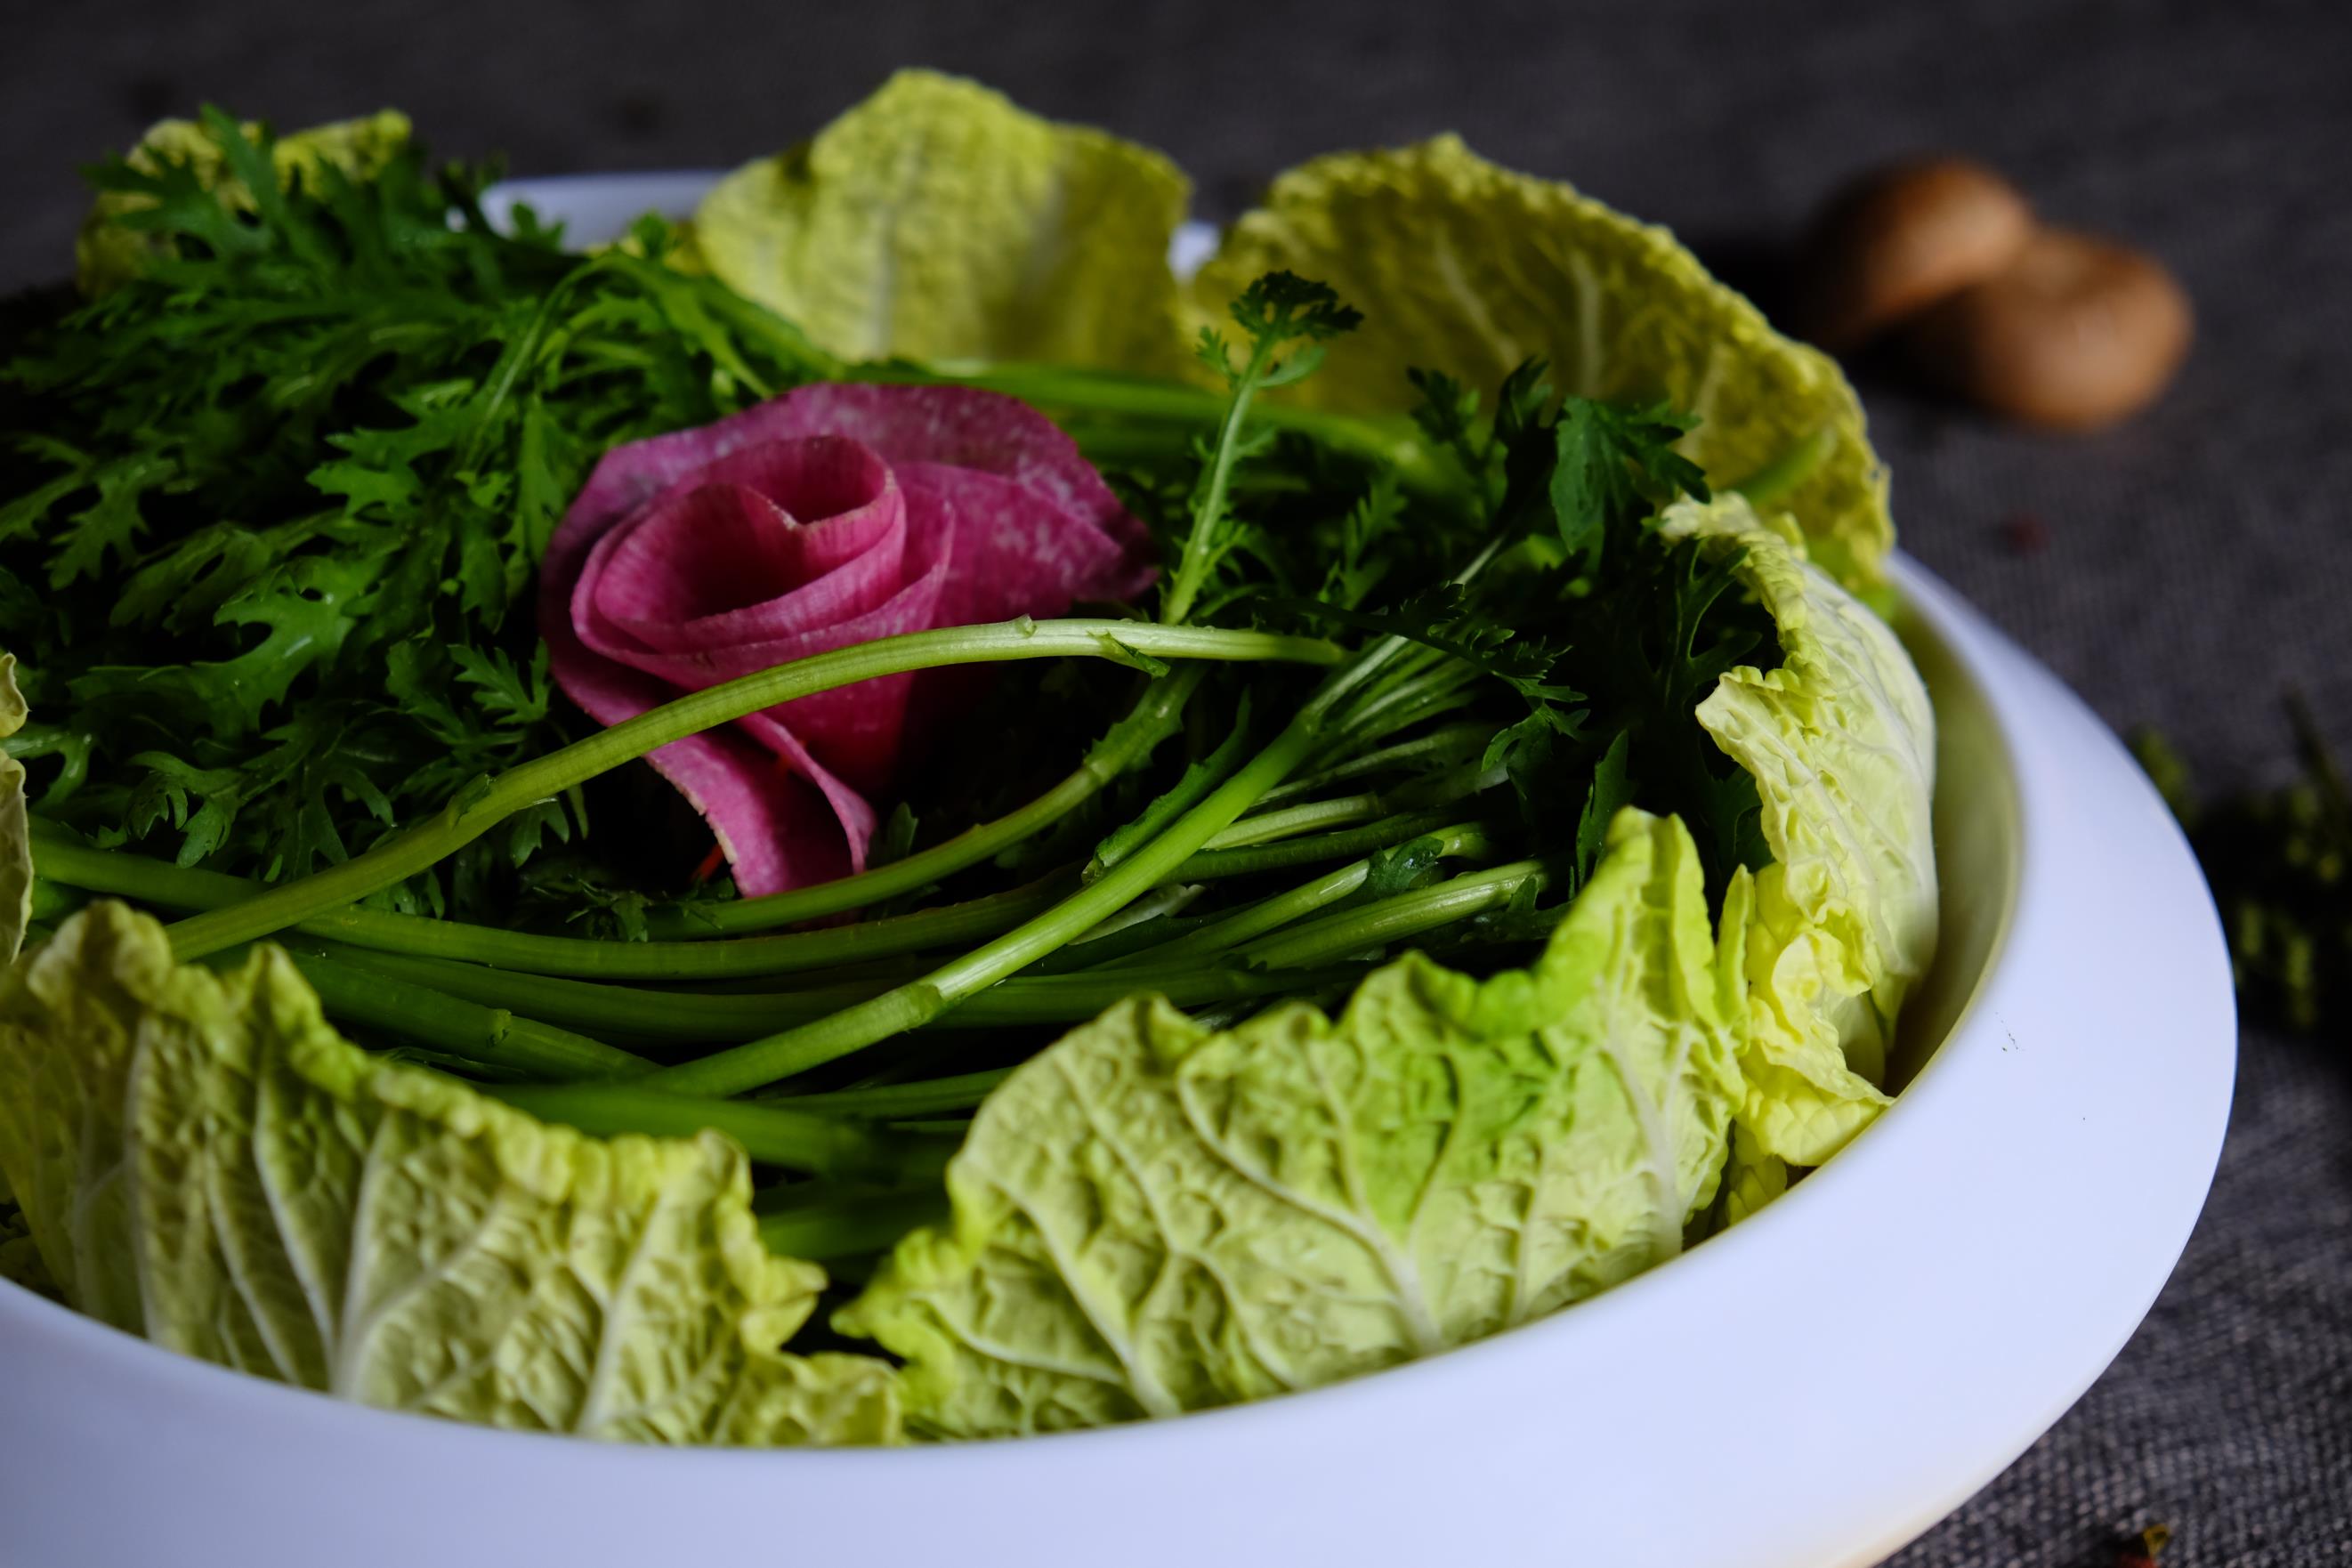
(1404, 868)
(1613, 462)
(1612, 791)
(321, 648)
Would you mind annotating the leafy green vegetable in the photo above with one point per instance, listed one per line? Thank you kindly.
(273, 494)
(1151, 1217)
(1470, 270)
(1842, 742)
(1751, 1178)
(1803, 1100)
(1274, 312)
(1404, 867)
(1612, 792)
(1606, 454)
(1180, 798)
(937, 221)
(15, 828)
(204, 1161)
(116, 242)
(1839, 741)
(1651, 624)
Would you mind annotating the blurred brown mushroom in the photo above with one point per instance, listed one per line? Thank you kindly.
(2077, 332)
(1899, 240)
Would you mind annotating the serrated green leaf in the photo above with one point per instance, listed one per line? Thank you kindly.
(185, 588)
(180, 156)
(1613, 462)
(28, 515)
(501, 690)
(284, 302)
(1612, 791)
(1404, 867)
(110, 527)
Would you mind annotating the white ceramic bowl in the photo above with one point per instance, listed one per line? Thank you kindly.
(1810, 1389)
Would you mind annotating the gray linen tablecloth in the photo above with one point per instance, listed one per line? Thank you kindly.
(2190, 564)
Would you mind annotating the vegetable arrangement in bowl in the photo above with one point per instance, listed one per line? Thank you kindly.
(1202, 836)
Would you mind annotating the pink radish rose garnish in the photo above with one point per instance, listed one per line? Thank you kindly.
(832, 515)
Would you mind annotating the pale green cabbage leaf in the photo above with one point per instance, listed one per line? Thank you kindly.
(1462, 267)
(16, 825)
(19, 1259)
(1841, 742)
(1751, 1178)
(204, 1161)
(937, 221)
(1149, 1217)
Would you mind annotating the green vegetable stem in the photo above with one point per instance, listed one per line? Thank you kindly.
(490, 802)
